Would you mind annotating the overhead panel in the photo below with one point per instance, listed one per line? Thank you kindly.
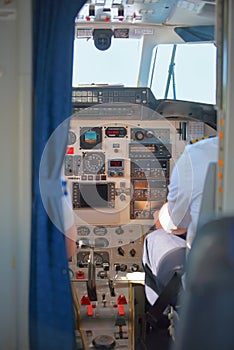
(126, 11)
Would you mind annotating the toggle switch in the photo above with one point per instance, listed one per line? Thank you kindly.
(123, 267)
(132, 252)
(120, 251)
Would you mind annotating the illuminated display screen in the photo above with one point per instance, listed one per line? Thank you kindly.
(90, 136)
(116, 163)
(112, 132)
(116, 131)
(93, 195)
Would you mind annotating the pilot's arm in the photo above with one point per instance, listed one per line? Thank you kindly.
(174, 216)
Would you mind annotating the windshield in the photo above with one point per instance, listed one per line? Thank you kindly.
(185, 72)
(117, 65)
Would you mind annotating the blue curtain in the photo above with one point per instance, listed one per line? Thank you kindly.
(51, 308)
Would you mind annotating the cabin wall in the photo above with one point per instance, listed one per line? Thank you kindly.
(15, 157)
(227, 108)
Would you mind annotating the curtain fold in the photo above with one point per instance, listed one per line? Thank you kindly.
(51, 318)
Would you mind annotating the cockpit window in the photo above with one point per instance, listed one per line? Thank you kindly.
(185, 72)
(119, 65)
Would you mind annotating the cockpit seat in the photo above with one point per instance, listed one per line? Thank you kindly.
(207, 307)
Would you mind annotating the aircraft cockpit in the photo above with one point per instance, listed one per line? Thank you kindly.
(100, 101)
(134, 66)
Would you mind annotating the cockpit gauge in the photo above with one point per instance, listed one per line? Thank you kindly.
(101, 242)
(83, 231)
(71, 138)
(100, 231)
(91, 137)
(139, 135)
(93, 162)
(83, 243)
(119, 230)
(83, 258)
(116, 131)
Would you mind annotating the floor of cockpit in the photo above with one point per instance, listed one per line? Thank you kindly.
(157, 337)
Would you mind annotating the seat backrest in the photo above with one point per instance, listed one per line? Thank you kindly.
(207, 208)
(207, 305)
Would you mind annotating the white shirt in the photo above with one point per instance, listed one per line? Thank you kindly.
(187, 183)
(184, 201)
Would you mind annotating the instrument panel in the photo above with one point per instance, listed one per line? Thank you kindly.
(118, 173)
(117, 168)
(121, 166)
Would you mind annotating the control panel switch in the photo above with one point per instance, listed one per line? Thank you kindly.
(132, 252)
(106, 266)
(117, 267)
(80, 275)
(134, 267)
(122, 300)
(121, 251)
(89, 310)
(85, 300)
(121, 311)
(123, 267)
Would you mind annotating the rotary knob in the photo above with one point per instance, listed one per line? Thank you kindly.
(149, 134)
(122, 197)
(134, 267)
(119, 231)
(104, 342)
(139, 135)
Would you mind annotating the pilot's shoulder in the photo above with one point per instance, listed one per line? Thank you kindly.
(207, 144)
(205, 138)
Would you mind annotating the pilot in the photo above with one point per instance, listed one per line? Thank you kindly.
(176, 222)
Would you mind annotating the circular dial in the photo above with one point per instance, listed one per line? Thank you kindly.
(98, 259)
(83, 243)
(93, 163)
(119, 230)
(101, 242)
(83, 231)
(71, 139)
(100, 231)
(139, 135)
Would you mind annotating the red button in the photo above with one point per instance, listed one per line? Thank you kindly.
(70, 150)
(79, 275)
